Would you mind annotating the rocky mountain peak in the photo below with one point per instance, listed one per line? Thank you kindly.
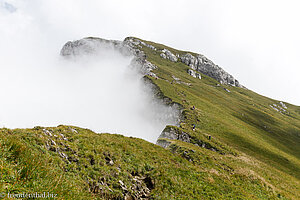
(133, 47)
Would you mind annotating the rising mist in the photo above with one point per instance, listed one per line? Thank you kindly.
(102, 92)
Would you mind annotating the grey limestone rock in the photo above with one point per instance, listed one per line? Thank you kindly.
(189, 60)
(272, 106)
(173, 133)
(227, 90)
(193, 73)
(46, 132)
(283, 105)
(163, 143)
(166, 54)
(203, 65)
(163, 56)
(128, 47)
(91, 45)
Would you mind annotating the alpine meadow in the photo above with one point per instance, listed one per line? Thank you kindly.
(176, 126)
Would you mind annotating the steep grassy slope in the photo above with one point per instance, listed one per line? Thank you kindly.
(240, 118)
(238, 115)
(254, 152)
(76, 163)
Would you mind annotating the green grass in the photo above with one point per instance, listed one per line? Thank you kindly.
(258, 153)
(240, 119)
(28, 165)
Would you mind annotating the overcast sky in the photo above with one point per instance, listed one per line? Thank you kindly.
(256, 41)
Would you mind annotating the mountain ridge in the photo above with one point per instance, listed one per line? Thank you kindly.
(196, 62)
(156, 53)
(230, 143)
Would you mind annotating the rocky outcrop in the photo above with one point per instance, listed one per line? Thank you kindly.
(280, 107)
(60, 147)
(193, 73)
(227, 90)
(163, 143)
(128, 47)
(178, 81)
(134, 42)
(175, 133)
(166, 54)
(283, 105)
(203, 65)
(91, 45)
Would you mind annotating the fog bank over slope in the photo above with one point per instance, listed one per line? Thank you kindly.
(102, 92)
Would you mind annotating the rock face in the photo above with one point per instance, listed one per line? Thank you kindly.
(91, 45)
(128, 47)
(174, 133)
(166, 54)
(201, 64)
